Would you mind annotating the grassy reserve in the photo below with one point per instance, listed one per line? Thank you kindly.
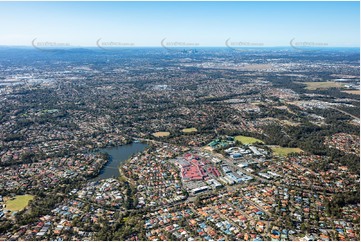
(284, 151)
(322, 85)
(247, 140)
(161, 134)
(18, 203)
(189, 130)
(355, 92)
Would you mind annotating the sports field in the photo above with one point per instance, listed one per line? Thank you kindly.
(18, 202)
(189, 130)
(247, 139)
(161, 134)
(284, 151)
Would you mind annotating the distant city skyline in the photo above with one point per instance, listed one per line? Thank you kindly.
(180, 24)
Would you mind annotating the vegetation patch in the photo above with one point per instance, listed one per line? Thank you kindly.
(189, 130)
(284, 151)
(247, 139)
(161, 134)
(18, 203)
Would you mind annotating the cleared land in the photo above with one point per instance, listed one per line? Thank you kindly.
(283, 151)
(290, 123)
(355, 92)
(247, 140)
(18, 203)
(253, 67)
(322, 85)
(161, 134)
(189, 130)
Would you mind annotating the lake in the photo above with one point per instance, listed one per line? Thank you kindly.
(117, 156)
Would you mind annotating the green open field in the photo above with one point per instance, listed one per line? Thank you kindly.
(189, 130)
(161, 134)
(18, 203)
(284, 151)
(322, 85)
(247, 140)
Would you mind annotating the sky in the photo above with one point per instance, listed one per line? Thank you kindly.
(184, 23)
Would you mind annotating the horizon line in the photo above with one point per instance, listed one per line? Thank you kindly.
(175, 47)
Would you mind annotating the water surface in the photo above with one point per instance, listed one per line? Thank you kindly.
(117, 156)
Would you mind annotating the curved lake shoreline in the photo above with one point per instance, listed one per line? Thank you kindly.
(117, 156)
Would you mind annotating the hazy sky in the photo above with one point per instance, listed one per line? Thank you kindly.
(203, 23)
